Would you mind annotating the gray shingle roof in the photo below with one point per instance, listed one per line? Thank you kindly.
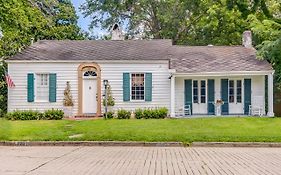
(191, 59)
(185, 59)
(96, 50)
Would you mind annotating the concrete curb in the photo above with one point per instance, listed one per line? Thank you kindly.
(237, 144)
(140, 144)
(90, 143)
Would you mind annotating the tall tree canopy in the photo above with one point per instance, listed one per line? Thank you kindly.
(22, 20)
(200, 22)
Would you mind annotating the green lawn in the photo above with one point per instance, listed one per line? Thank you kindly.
(183, 130)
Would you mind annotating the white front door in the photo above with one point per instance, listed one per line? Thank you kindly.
(199, 102)
(89, 96)
(235, 96)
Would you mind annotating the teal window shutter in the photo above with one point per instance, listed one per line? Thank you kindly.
(126, 86)
(188, 93)
(247, 95)
(224, 96)
(148, 87)
(30, 87)
(52, 87)
(211, 97)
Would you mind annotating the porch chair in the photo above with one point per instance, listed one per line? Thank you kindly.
(257, 106)
(183, 111)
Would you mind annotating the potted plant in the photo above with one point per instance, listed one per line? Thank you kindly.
(67, 101)
(109, 100)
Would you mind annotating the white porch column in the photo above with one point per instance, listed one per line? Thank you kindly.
(270, 112)
(172, 107)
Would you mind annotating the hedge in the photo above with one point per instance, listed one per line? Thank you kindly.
(52, 114)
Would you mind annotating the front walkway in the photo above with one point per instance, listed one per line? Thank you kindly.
(139, 160)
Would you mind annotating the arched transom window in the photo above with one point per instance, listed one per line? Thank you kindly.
(90, 74)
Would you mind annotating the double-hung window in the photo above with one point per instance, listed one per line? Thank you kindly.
(42, 87)
(137, 86)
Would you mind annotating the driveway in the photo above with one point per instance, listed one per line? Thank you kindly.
(139, 160)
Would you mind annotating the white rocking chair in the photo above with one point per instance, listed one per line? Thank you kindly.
(183, 112)
(257, 107)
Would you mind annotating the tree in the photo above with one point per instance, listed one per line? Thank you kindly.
(267, 36)
(22, 20)
(157, 19)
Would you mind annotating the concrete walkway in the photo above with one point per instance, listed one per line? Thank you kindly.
(139, 160)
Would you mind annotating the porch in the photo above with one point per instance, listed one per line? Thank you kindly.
(221, 94)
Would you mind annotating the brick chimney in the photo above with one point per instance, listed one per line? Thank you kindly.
(247, 39)
(116, 33)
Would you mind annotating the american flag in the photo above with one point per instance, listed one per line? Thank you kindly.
(9, 80)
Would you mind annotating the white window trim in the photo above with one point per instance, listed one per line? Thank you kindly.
(199, 90)
(35, 87)
(235, 91)
(132, 100)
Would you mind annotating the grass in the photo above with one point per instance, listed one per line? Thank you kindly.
(183, 130)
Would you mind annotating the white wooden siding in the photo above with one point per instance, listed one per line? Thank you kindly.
(258, 87)
(17, 97)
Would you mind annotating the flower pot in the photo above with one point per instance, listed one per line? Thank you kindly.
(68, 111)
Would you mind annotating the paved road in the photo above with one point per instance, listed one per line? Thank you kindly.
(139, 160)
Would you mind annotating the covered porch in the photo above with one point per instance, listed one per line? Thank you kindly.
(221, 93)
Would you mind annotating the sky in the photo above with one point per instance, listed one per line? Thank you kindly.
(85, 22)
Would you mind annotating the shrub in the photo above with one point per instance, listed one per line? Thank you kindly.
(162, 112)
(151, 113)
(24, 115)
(110, 115)
(138, 113)
(110, 100)
(147, 113)
(53, 114)
(35, 115)
(123, 114)
(67, 100)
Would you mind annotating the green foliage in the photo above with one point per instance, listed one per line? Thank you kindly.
(123, 114)
(22, 20)
(110, 115)
(3, 91)
(162, 112)
(24, 115)
(138, 113)
(157, 113)
(110, 99)
(185, 21)
(53, 114)
(271, 51)
(67, 100)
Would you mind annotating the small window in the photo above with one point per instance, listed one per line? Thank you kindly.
(137, 86)
(90, 74)
(231, 91)
(42, 88)
(239, 91)
(195, 91)
(203, 91)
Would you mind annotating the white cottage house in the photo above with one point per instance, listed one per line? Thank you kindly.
(142, 73)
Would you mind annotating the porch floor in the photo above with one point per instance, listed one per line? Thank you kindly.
(214, 116)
